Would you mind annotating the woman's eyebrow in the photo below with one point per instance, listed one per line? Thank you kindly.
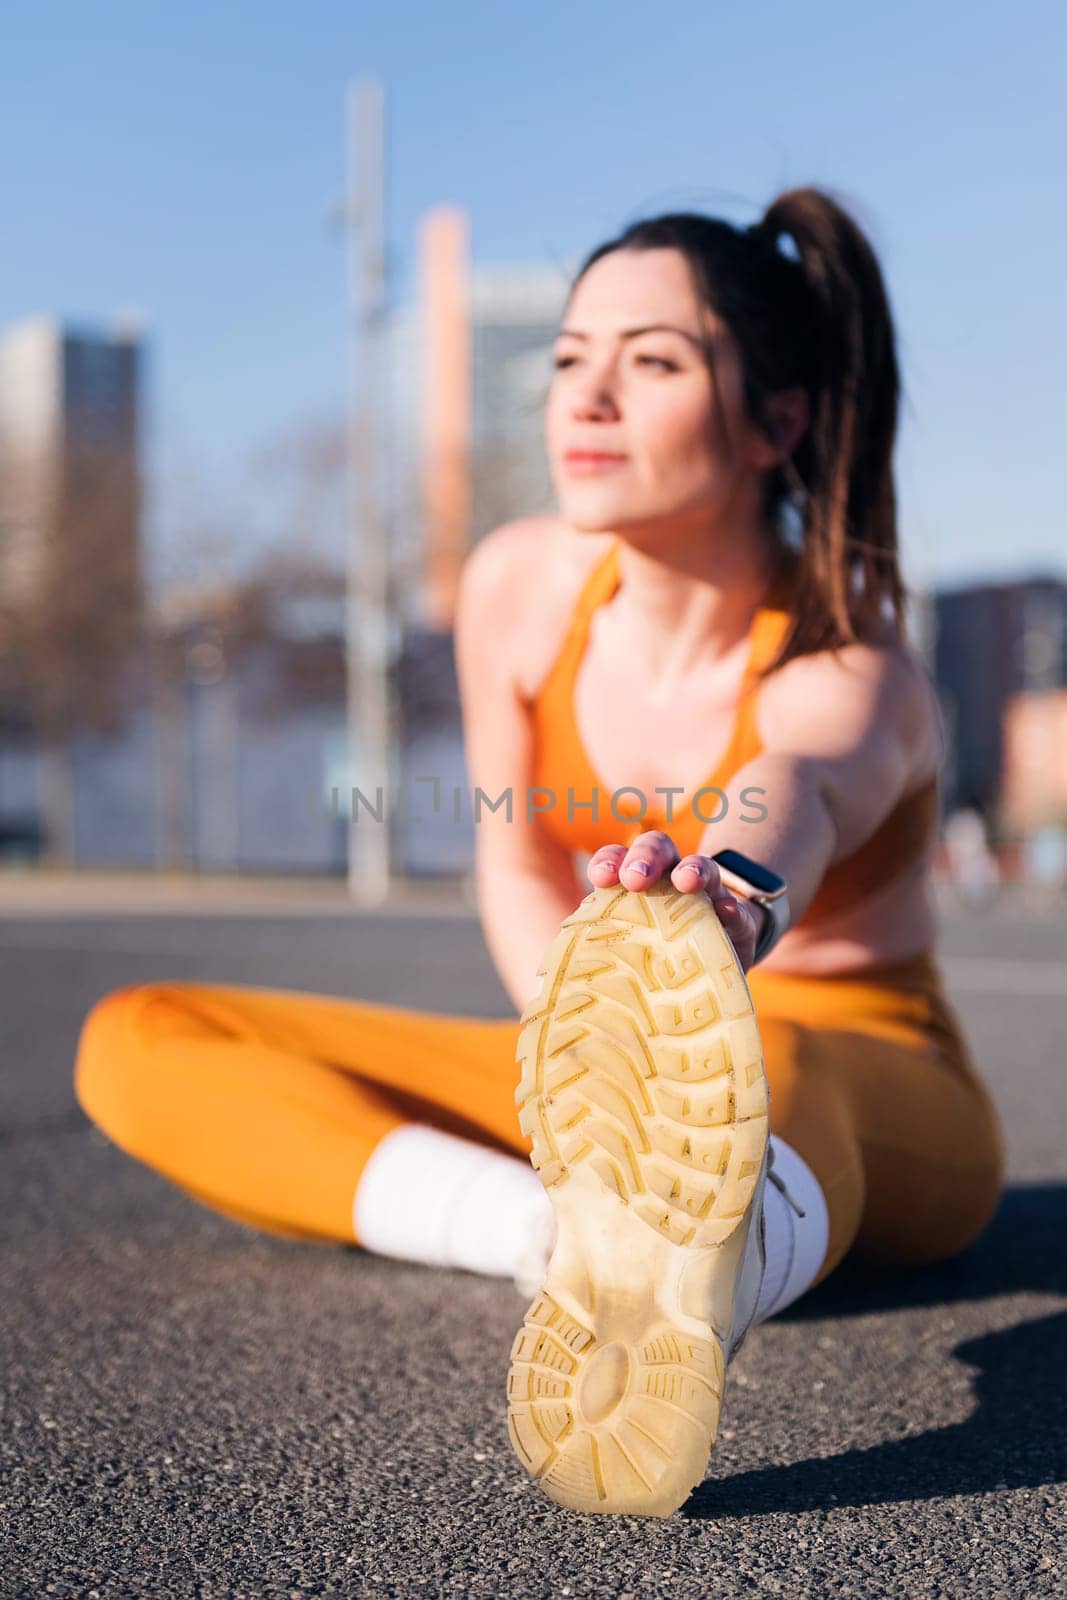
(632, 333)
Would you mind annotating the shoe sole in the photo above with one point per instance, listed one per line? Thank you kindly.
(644, 1094)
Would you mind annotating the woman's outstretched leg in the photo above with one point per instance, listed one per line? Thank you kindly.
(902, 1141)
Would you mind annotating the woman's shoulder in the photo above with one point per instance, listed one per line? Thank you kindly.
(520, 584)
(880, 680)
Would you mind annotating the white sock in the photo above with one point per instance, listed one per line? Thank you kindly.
(425, 1195)
(796, 1246)
(429, 1196)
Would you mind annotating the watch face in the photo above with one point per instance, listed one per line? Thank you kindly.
(761, 878)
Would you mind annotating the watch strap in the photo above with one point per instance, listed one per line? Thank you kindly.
(775, 923)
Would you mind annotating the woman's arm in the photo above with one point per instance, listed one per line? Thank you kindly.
(845, 736)
(525, 881)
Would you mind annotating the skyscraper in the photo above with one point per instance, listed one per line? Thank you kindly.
(70, 522)
(70, 546)
(70, 489)
(515, 314)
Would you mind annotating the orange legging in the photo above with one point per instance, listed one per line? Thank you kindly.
(265, 1104)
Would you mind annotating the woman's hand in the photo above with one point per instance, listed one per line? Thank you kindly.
(651, 854)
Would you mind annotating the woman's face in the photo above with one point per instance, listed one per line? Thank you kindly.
(684, 438)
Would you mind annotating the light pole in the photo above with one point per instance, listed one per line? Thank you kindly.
(369, 713)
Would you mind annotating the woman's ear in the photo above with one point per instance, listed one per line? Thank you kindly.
(785, 418)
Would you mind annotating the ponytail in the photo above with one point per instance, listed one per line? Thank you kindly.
(842, 469)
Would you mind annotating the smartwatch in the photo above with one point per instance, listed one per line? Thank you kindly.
(752, 881)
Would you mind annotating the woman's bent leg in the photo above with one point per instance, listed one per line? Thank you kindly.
(267, 1104)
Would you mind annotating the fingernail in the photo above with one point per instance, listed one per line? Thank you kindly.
(642, 867)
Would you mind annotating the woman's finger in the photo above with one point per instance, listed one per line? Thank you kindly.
(648, 857)
(697, 872)
(657, 851)
(603, 865)
(741, 926)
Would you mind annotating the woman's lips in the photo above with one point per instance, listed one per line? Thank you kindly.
(581, 462)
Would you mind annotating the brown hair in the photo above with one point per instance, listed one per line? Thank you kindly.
(814, 315)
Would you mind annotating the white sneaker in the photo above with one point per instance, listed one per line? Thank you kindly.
(644, 1093)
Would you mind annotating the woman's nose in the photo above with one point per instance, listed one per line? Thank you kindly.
(594, 397)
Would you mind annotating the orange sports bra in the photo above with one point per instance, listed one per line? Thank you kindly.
(577, 808)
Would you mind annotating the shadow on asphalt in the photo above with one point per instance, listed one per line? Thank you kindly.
(1022, 1249)
(1017, 1435)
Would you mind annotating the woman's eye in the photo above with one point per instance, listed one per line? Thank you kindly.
(657, 361)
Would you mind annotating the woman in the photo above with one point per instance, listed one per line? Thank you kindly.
(715, 617)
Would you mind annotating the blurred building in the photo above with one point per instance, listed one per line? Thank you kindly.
(994, 642)
(71, 586)
(70, 481)
(1034, 786)
(471, 364)
(515, 316)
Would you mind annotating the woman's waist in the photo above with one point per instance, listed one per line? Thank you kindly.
(891, 979)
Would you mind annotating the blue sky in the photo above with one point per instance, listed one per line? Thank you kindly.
(182, 161)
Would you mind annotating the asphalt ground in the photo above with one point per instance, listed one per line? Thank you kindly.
(193, 1408)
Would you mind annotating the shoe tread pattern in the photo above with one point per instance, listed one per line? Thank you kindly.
(641, 1055)
(641, 1063)
(646, 1447)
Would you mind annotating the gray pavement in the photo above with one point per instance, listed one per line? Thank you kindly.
(195, 1409)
